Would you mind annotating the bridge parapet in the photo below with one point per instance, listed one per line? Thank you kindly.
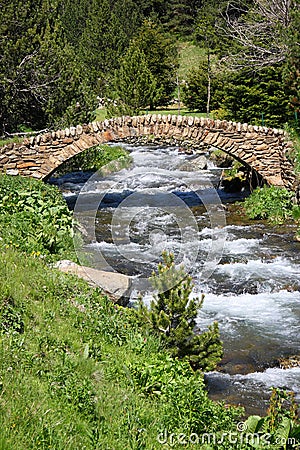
(264, 149)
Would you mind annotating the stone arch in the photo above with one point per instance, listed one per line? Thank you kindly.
(263, 149)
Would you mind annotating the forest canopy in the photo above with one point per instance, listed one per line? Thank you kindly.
(59, 58)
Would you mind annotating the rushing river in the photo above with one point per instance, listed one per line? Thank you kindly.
(249, 271)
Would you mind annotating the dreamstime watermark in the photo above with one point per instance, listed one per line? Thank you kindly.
(240, 436)
(135, 201)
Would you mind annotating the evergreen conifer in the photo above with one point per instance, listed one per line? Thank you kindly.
(172, 315)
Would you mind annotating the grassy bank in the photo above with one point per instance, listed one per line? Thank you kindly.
(77, 372)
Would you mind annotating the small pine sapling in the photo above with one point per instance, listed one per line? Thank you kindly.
(172, 315)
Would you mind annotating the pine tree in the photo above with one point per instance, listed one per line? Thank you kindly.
(161, 55)
(73, 14)
(172, 315)
(41, 79)
(205, 34)
(261, 98)
(108, 29)
(134, 86)
(180, 16)
(195, 90)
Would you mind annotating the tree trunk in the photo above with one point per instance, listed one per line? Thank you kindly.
(178, 92)
(208, 83)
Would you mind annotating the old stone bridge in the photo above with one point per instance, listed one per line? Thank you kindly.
(263, 149)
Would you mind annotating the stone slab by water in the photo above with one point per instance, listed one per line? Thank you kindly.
(116, 285)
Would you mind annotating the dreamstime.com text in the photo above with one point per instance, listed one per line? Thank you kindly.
(241, 436)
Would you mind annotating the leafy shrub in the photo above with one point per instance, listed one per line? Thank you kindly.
(34, 216)
(272, 203)
(183, 394)
(155, 376)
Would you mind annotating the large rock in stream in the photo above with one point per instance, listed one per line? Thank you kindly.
(116, 285)
(195, 164)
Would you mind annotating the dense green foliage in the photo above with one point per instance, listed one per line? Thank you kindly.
(180, 16)
(260, 99)
(134, 86)
(254, 48)
(161, 55)
(38, 85)
(147, 73)
(34, 217)
(109, 27)
(272, 203)
(95, 158)
(172, 315)
(195, 90)
(59, 59)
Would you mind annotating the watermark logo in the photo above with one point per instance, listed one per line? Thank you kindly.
(142, 203)
(240, 436)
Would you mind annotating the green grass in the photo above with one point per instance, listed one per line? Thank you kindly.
(78, 372)
(190, 56)
(62, 372)
(173, 110)
(100, 114)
